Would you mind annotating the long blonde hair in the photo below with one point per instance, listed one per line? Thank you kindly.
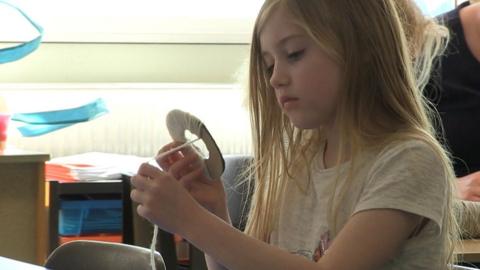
(380, 99)
(426, 38)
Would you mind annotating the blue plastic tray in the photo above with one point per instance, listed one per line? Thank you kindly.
(90, 217)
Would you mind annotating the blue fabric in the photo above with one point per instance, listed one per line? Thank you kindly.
(39, 123)
(74, 115)
(18, 52)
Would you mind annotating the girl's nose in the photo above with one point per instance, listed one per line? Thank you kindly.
(279, 77)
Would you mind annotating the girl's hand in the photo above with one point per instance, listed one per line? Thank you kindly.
(162, 199)
(189, 169)
(469, 187)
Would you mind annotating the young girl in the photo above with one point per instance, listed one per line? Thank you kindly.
(348, 172)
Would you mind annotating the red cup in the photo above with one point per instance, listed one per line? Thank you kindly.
(4, 119)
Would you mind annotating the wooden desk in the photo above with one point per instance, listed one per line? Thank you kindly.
(23, 215)
(469, 251)
(10, 264)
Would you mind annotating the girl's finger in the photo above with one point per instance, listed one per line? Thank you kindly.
(166, 161)
(191, 177)
(184, 166)
(188, 150)
(139, 182)
(190, 168)
(137, 196)
(143, 211)
(147, 170)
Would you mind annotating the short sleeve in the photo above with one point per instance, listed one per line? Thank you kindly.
(408, 177)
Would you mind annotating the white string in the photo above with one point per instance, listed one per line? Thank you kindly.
(173, 150)
(153, 162)
(153, 247)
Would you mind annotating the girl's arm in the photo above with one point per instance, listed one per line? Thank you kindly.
(225, 216)
(468, 187)
(368, 240)
(356, 247)
(212, 264)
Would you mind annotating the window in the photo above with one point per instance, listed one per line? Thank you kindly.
(435, 7)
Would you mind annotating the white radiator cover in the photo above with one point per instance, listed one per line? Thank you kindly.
(136, 122)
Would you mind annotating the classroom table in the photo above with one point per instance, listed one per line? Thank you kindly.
(469, 251)
(10, 264)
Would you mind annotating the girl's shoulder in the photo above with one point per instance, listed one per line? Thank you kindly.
(415, 152)
(399, 146)
(405, 167)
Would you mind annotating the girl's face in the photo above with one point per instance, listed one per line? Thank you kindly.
(304, 79)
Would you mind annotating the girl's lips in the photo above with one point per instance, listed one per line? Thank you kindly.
(287, 100)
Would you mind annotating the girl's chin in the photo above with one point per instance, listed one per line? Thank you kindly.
(305, 123)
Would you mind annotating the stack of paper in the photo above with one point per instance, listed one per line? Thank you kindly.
(92, 166)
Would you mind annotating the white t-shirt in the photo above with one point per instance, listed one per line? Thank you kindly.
(406, 176)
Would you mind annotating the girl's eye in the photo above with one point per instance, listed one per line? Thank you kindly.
(296, 55)
(269, 70)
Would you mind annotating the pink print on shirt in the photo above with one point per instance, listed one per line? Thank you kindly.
(323, 246)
